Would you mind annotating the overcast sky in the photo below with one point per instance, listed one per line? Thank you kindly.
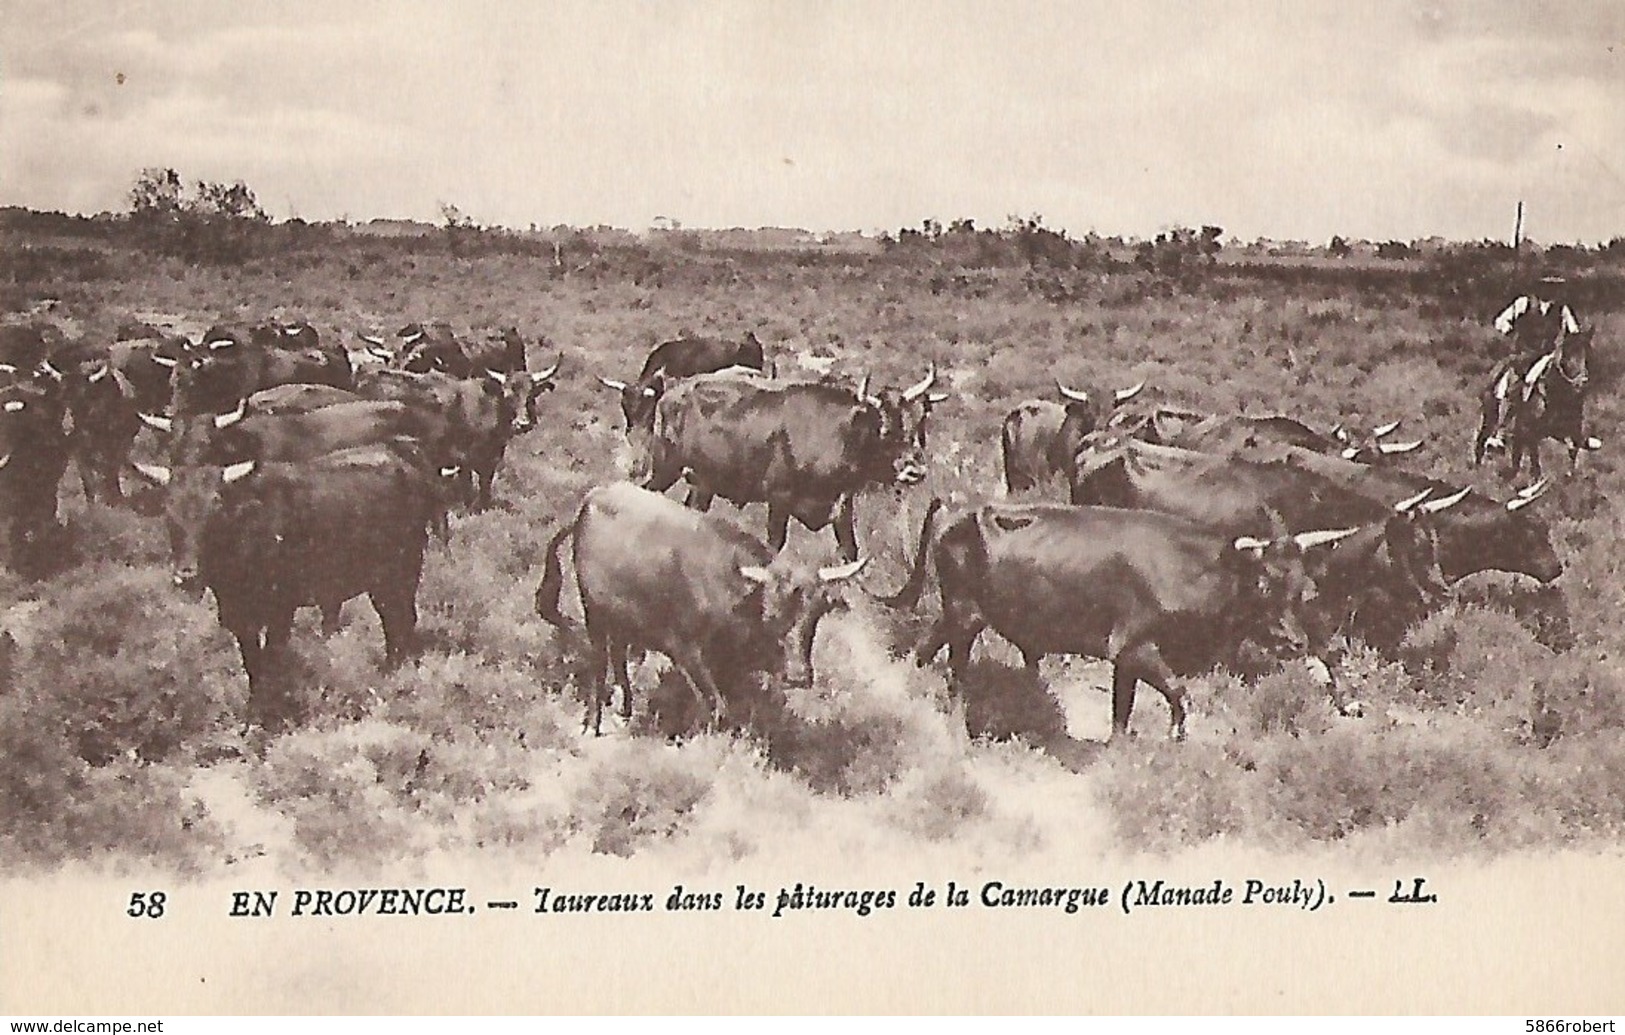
(1281, 119)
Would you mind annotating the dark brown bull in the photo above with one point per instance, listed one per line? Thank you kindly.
(1546, 402)
(804, 449)
(671, 361)
(1478, 534)
(1226, 433)
(481, 415)
(436, 348)
(1156, 595)
(34, 454)
(1040, 437)
(654, 575)
(1387, 573)
(285, 536)
(230, 364)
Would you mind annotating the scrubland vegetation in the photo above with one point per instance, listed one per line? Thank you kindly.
(118, 723)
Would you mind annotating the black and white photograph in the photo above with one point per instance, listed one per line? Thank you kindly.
(779, 507)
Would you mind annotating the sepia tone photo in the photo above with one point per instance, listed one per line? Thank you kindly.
(731, 507)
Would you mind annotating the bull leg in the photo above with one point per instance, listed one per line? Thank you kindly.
(778, 526)
(699, 499)
(332, 617)
(704, 686)
(598, 665)
(398, 612)
(1145, 662)
(846, 528)
(622, 661)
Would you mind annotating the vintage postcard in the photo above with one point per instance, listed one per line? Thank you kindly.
(729, 507)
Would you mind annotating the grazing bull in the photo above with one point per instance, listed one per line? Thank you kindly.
(804, 449)
(1547, 402)
(654, 575)
(283, 536)
(677, 359)
(1156, 595)
(1040, 437)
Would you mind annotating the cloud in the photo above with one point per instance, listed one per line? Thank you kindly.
(1385, 119)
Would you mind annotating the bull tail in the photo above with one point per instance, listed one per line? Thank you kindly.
(909, 595)
(551, 587)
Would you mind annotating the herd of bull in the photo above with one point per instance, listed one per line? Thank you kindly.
(299, 473)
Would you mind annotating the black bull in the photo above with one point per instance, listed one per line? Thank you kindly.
(1375, 583)
(318, 533)
(655, 575)
(804, 449)
(1156, 595)
(1039, 437)
(674, 360)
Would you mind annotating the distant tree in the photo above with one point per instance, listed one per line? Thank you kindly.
(211, 222)
(1394, 250)
(1338, 248)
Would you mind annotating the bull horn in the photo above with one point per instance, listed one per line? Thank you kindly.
(49, 371)
(155, 422)
(1351, 453)
(165, 361)
(1386, 429)
(451, 470)
(1123, 395)
(1504, 384)
(544, 375)
(370, 340)
(1539, 368)
(936, 398)
(1071, 393)
(237, 472)
(15, 406)
(755, 573)
(1321, 537)
(1248, 542)
(411, 339)
(101, 372)
(7, 368)
(226, 420)
(837, 572)
(4, 460)
(1339, 432)
(1388, 448)
(155, 473)
(1531, 491)
(922, 386)
(863, 389)
(219, 343)
(613, 385)
(498, 376)
(1404, 506)
(649, 392)
(1434, 506)
(380, 351)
